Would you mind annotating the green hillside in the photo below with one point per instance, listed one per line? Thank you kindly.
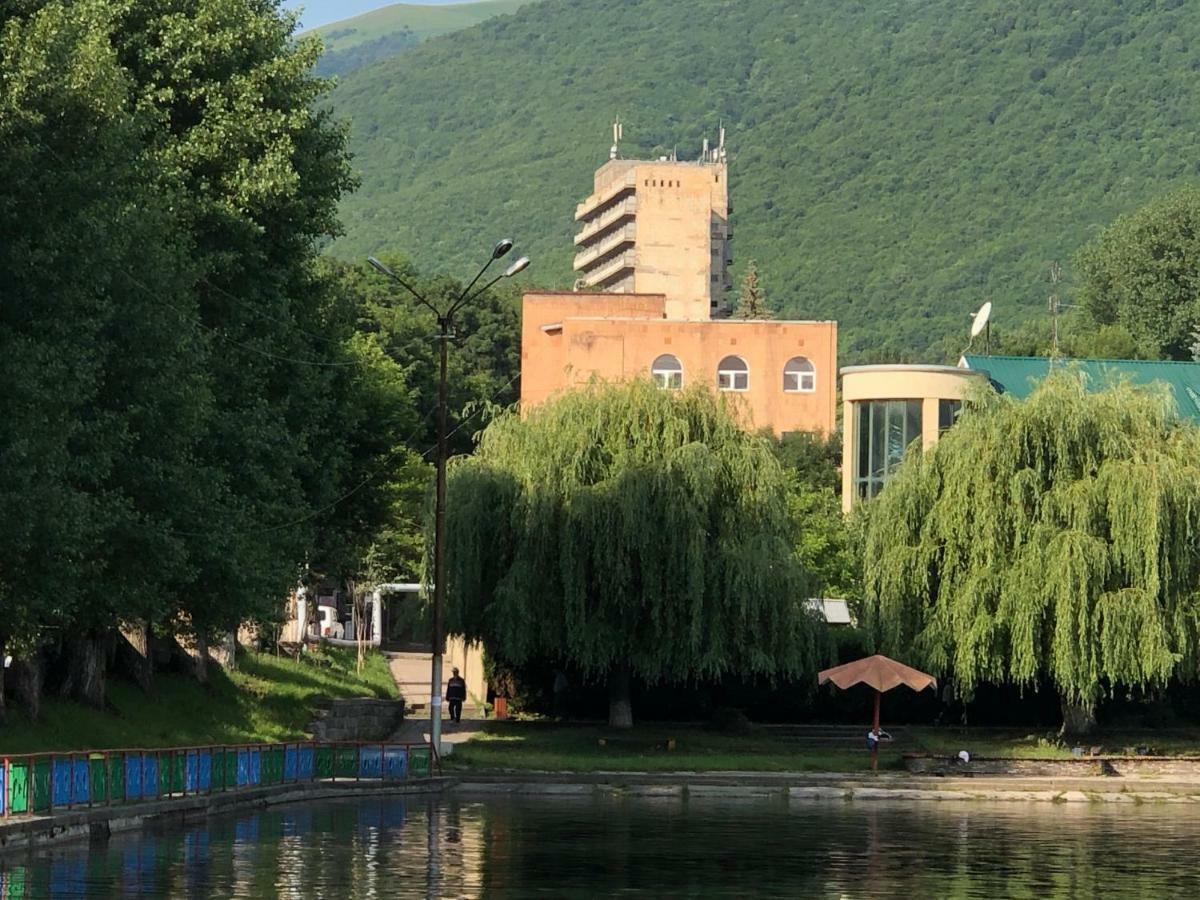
(893, 163)
(362, 40)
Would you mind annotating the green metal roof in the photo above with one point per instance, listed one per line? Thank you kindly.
(1018, 375)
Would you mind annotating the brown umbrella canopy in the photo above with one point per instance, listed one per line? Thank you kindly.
(879, 672)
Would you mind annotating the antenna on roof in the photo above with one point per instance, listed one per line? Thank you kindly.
(618, 133)
(721, 145)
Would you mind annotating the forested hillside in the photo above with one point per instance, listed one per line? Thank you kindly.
(356, 42)
(893, 164)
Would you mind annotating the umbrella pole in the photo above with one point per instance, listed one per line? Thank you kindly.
(875, 752)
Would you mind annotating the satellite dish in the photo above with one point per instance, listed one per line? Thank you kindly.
(981, 319)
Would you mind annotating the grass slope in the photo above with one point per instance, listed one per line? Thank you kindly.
(267, 698)
(893, 164)
(362, 40)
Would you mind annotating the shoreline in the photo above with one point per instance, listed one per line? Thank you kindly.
(30, 834)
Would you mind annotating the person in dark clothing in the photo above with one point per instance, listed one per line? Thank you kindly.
(456, 693)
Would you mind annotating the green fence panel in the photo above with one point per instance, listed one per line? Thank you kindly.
(18, 787)
(98, 778)
(345, 762)
(116, 776)
(178, 772)
(276, 758)
(418, 762)
(42, 785)
(324, 766)
(218, 769)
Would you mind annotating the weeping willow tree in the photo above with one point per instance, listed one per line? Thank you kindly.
(1051, 538)
(632, 532)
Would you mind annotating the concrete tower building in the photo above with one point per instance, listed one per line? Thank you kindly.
(653, 257)
(658, 227)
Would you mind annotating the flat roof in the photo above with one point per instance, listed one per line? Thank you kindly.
(911, 367)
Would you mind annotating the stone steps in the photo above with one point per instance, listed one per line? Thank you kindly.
(357, 719)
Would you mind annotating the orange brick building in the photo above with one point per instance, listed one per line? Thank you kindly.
(783, 372)
(655, 240)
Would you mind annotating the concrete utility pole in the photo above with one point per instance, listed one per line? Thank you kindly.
(445, 320)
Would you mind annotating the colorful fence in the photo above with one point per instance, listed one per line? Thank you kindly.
(50, 782)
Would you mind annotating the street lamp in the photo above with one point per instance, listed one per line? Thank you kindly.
(445, 320)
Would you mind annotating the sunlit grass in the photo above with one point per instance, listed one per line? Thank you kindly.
(544, 747)
(267, 698)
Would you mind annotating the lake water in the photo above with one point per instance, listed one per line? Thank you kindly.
(592, 847)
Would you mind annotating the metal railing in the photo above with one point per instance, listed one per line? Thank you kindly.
(44, 783)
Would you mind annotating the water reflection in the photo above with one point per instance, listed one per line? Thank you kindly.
(587, 847)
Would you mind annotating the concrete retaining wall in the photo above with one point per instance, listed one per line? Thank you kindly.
(359, 719)
(1076, 767)
(19, 834)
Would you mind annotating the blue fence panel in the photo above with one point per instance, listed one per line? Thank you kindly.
(395, 763)
(61, 782)
(243, 772)
(255, 767)
(291, 762)
(370, 762)
(204, 765)
(149, 775)
(191, 772)
(306, 763)
(81, 781)
(133, 776)
(3, 788)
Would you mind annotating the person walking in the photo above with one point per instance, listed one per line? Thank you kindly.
(456, 693)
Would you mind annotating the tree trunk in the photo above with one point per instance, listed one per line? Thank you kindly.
(134, 654)
(620, 709)
(86, 669)
(3, 671)
(1078, 720)
(198, 651)
(27, 673)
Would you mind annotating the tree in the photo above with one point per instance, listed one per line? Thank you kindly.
(1143, 273)
(630, 532)
(1051, 538)
(752, 303)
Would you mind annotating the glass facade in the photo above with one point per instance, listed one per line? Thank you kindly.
(883, 429)
(948, 411)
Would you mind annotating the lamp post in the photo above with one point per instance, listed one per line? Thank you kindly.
(445, 320)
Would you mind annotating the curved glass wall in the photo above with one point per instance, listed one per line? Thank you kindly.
(884, 429)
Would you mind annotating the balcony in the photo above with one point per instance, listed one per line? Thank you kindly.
(610, 193)
(626, 207)
(606, 245)
(609, 270)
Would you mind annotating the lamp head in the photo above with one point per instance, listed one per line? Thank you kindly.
(516, 267)
(502, 248)
(380, 267)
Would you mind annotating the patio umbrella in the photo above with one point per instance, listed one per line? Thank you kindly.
(882, 674)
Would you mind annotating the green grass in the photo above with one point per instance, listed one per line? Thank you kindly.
(422, 20)
(267, 699)
(544, 747)
(1021, 744)
(531, 746)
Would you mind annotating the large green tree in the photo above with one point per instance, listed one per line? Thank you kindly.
(1046, 539)
(1142, 273)
(631, 532)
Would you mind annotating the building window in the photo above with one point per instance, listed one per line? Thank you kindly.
(883, 429)
(799, 376)
(733, 374)
(948, 411)
(667, 372)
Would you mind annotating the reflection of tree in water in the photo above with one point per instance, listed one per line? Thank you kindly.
(591, 846)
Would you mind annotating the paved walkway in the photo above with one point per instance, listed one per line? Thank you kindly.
(411, 672)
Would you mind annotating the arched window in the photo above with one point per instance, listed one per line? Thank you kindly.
(667, 372)
(733, 374)
(799, 376)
